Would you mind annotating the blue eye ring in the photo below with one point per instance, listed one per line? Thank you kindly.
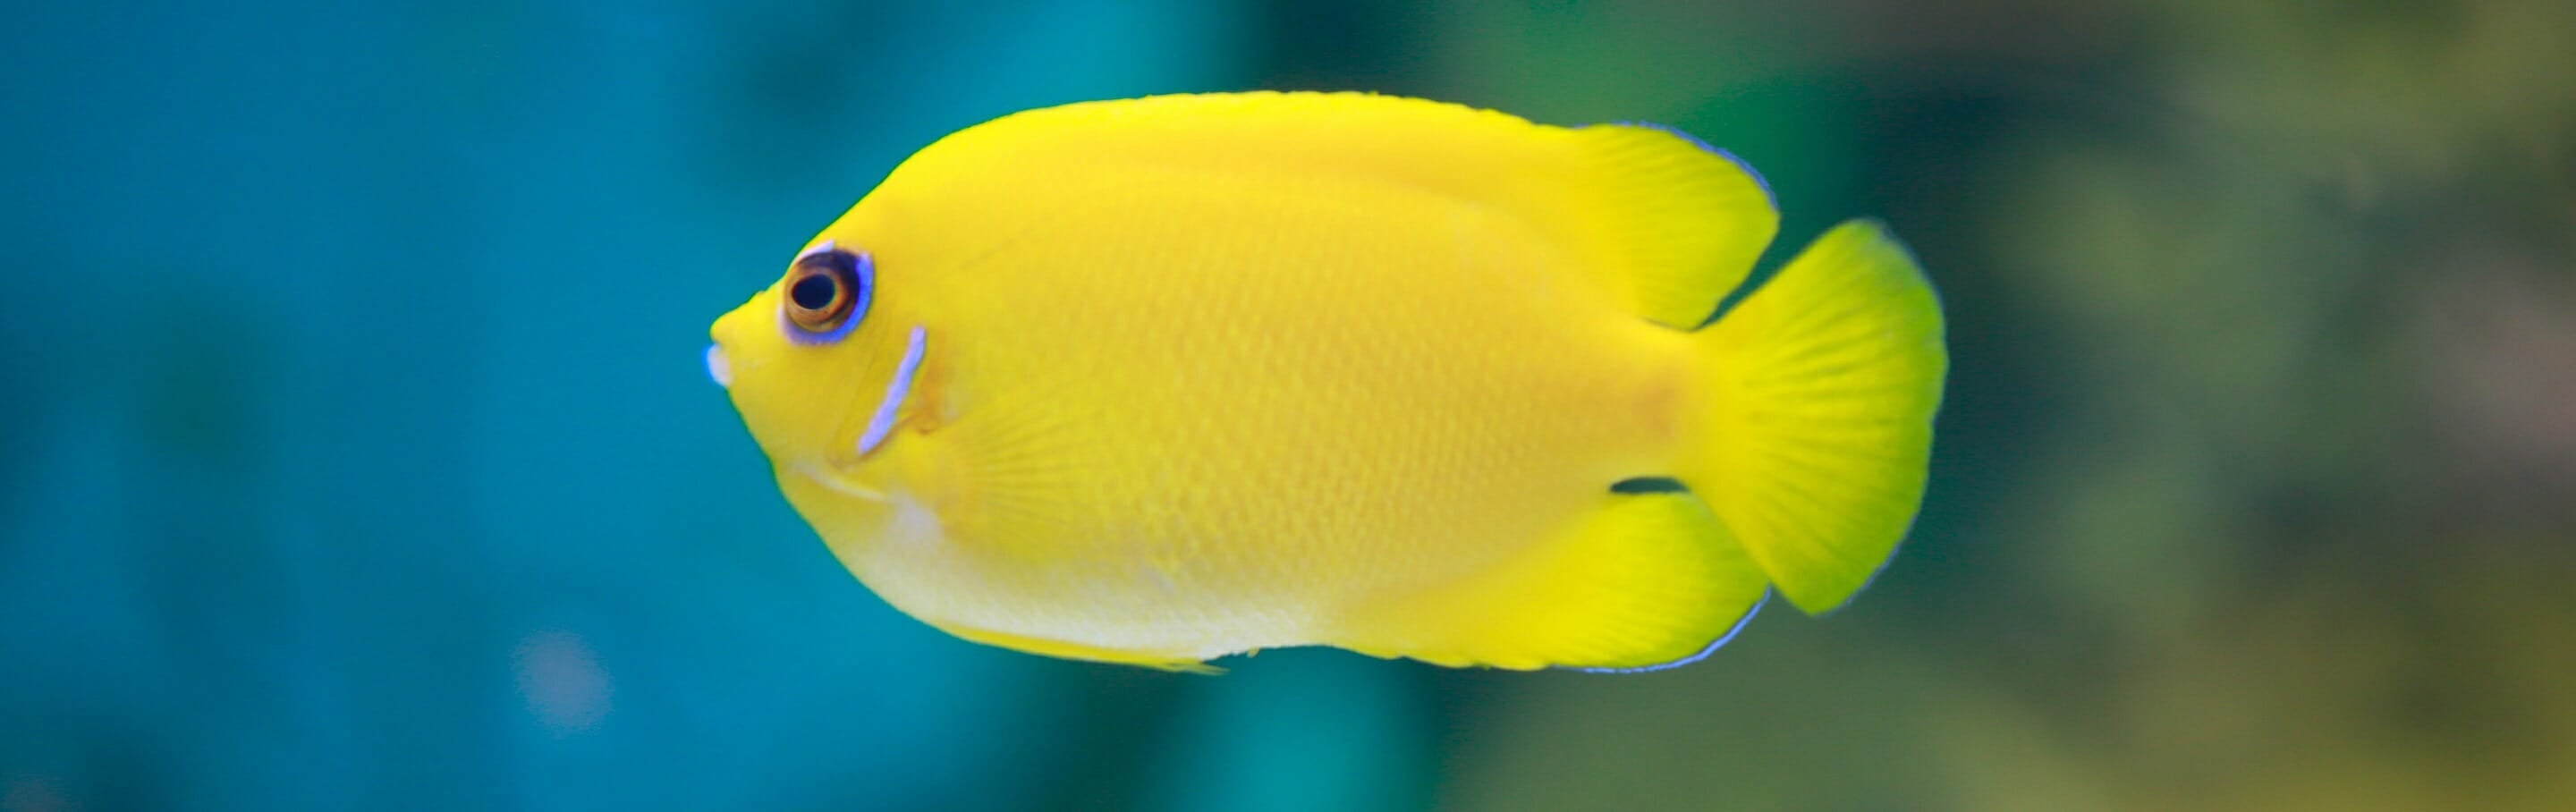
(827, 292)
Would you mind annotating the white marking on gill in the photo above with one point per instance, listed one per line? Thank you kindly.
(836, 484)
(882, 423)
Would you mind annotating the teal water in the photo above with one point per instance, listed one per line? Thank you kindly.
(358, 453)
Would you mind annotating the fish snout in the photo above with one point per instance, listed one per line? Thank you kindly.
(730, 340)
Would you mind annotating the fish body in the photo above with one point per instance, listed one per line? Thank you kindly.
(1160, 380)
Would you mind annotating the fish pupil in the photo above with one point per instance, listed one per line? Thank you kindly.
(815, 292)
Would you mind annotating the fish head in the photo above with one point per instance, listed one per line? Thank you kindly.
(821, 366)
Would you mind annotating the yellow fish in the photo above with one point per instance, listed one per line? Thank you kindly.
(1160, 380)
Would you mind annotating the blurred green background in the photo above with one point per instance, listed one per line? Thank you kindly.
(358, 453)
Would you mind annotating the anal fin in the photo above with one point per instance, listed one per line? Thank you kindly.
(1646, 580)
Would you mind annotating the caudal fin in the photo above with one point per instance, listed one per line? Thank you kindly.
(1815, 403)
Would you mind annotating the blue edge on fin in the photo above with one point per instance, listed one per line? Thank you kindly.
(1712, 648)
(1730, 157)
(1747, 619)
(1912, 522)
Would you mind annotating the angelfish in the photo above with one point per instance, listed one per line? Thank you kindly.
(1160, 380)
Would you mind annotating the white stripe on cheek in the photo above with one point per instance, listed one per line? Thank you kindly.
(882, 423)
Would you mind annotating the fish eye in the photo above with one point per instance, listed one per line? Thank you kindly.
(827, 293)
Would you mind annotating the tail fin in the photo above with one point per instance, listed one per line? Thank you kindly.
(1816, 397)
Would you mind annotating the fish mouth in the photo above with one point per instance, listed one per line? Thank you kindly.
(898, 389)
(719, 368)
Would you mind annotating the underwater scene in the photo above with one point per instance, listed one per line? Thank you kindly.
(1288, 405)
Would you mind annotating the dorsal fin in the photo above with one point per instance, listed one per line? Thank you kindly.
(1664, 224)
(1692, 218)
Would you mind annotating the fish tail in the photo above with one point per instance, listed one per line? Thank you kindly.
(1812, 426)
